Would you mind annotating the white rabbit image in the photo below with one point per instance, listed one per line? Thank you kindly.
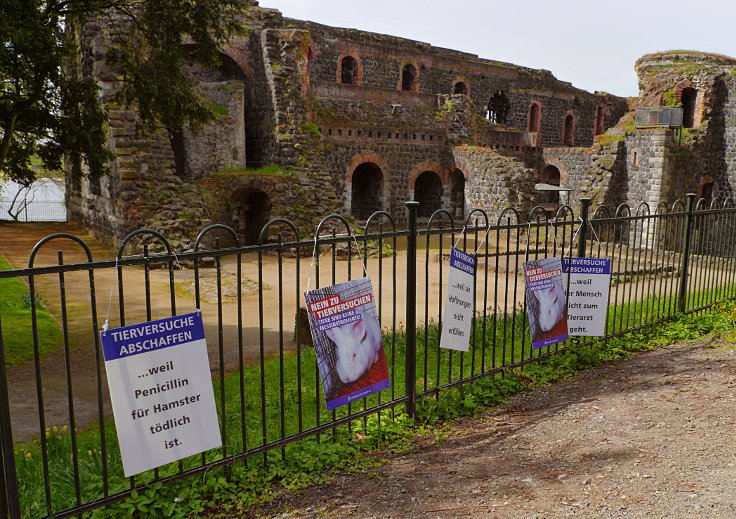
(551, 306)
(357, 346)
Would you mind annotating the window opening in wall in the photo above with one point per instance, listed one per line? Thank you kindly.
(460, 88)
(428, 192)
(409, 78)
(689, 95)
(636, 159)
(599, 121)
(568, 131)
(349, 70)
(367, 190)
(498, 108)
(253, 210)
(534, 118)
(457, 194)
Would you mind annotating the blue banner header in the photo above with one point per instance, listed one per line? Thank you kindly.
(462, 261)
(153, 335)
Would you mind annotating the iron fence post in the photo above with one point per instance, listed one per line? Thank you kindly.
(685, 263)
(584, 216)
(9, 505)
(411, 307)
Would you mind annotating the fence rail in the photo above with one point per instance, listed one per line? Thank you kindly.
(32, 211)
(267, 382)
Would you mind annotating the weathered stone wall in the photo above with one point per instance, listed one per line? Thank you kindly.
(381, 60)
(495, 181)
(281, 103)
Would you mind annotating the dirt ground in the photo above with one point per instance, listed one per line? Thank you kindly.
(646, 437)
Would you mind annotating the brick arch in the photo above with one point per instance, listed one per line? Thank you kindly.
(534, 117)
(464, 81)
(679, 87)
(255, 184)
(428, 165)
(462, 166)
(356, 57)
(360, 158)
(417, 68)
(552, 161)
(568, 134)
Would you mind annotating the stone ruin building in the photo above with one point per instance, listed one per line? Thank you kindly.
(316, 119)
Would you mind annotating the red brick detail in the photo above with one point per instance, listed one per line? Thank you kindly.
(338, 72)
(362, 158)
(534, 119)
(428, 165)
(251, 184)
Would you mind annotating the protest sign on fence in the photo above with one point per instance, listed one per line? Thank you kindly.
(161, 391)
(545, 301)
(348, 341)
(458, 320)
(587, 300)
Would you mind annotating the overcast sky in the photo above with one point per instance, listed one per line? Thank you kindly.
(592, 44)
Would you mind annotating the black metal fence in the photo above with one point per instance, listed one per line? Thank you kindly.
(59, 452)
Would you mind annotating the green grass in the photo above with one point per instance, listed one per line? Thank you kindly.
(15, 320)
(227, 492)
(264, 171)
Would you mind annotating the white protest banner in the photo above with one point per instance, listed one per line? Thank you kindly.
(587, 300)
(161, 391)
(348, 341)
(545, 301)
(459, 301)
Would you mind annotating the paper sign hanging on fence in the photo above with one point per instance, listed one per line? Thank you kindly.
(161, 391)
(545, 301)
(347, 341)
(587, 300)
(459, 301)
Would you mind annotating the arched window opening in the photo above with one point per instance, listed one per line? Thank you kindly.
(534, 118)
(568, 131)
(252, 212)
(457, 194)
(409, 78)
(689, 96)
(367, 190)
(349, 70)
(599, 121)
(498, 108)
(460, 88)
(428, 192)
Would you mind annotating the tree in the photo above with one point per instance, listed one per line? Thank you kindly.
(49, 109)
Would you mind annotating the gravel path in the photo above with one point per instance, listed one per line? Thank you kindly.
(651, 436)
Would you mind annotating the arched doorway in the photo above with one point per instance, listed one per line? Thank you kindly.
(428, 192)
(252, 212)
(689, 96)
(460, 88)
(457, 194)
(568, 131)
(349, 70)
(367, 190)
(409, 78)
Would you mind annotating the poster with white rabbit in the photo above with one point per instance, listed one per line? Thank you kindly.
(545, 301)
(347, 340)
